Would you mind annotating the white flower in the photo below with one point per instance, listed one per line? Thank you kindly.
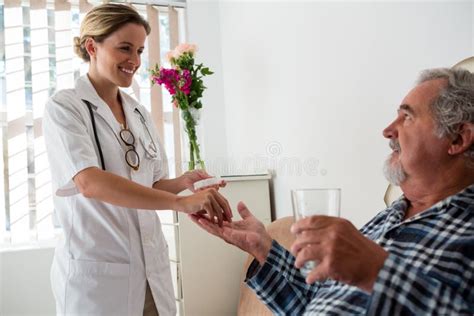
(180, 50)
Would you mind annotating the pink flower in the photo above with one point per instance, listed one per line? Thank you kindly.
(173, 80)
(186, 80)
(169, 78)
(169, 56)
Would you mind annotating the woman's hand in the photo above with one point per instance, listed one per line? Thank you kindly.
(207, 201)
(185, 181)
(190, 177)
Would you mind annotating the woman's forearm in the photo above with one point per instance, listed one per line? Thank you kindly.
(170, 185)
(108, 187)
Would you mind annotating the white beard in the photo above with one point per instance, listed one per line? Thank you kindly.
(394, 172)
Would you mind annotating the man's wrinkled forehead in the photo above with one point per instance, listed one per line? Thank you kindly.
(423, 94)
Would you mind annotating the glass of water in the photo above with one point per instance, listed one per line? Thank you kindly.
(310, 202)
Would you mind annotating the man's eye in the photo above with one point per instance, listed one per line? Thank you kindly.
(125, 48)
(140, 52)
(405, 115)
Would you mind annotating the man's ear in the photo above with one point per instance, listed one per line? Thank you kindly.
(91, 47)
(463, 140)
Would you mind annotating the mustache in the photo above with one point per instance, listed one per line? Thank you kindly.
(394, 144)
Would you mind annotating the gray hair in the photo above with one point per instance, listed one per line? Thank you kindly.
(455, 102)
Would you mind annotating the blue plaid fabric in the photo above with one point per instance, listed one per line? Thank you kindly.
(429, 270)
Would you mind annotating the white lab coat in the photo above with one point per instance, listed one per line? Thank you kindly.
(108, 253)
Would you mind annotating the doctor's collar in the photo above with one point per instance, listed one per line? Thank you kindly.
(87, 92)
(127, 100)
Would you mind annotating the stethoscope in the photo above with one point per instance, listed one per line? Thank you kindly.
(153, 148)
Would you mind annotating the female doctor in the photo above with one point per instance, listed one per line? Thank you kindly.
(109, 175)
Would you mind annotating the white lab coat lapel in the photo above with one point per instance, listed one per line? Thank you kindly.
(87, 92)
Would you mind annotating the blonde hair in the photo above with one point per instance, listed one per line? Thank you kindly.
(102, 21)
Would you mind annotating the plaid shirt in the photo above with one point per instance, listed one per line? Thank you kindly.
(429, 270)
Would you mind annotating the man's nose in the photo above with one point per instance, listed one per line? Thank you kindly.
(391, 131)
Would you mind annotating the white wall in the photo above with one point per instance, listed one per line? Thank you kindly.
(315, 83)
(203, 28)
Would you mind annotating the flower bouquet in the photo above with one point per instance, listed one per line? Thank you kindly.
(184, 82)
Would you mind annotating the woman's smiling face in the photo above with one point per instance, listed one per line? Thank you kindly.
(118, 56)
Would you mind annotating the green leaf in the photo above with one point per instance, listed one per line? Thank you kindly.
(205, 71)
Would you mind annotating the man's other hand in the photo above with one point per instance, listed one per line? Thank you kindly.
(342, 253)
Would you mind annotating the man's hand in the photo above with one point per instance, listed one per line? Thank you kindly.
(342, 253)
(248, 234)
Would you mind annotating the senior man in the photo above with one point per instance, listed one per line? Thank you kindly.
(414, 258)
